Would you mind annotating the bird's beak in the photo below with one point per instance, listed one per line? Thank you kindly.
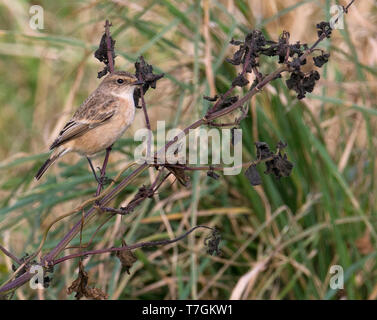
(138, 82)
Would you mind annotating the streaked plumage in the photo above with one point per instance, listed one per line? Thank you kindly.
(101, 119)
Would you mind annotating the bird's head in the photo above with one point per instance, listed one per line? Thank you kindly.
(120, 83)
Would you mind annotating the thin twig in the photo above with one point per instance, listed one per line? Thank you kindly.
(130, 247)
(10, 255)
(108, 44)
(219, 167)
(77, 209)
(147, 122)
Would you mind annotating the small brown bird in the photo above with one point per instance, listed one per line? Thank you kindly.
(101, 120)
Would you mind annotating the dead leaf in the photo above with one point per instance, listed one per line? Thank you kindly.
(253, 176)
(80, 286)
(126, 257)
(180, 174)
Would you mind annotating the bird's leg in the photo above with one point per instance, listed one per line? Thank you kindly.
(104, 180)
(93, 170)
(101, 179)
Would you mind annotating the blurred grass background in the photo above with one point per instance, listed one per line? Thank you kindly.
(280, 239)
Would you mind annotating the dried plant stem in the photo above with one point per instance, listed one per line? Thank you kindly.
(248, 96)
(76, 210)
(147, 122)
(10, 255)
(108, 44)
(130, 247)
(219, 167)
(91, 212)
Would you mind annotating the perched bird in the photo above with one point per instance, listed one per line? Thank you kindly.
(101, 120)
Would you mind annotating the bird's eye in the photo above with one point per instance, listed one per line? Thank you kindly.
(120, 81)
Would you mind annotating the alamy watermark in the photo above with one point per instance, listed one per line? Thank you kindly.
(36, 21)
(337, 280)
(36, 282)
(337, 18)
(200, 147)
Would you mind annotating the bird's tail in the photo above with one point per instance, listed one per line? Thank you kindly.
(53, 157)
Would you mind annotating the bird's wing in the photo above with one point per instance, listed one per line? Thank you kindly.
(91, 114)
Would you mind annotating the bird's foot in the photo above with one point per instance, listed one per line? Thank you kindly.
(102, 180)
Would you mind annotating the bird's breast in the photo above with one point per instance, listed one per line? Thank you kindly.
(105, 135)
(126, 111)
(118, 124)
